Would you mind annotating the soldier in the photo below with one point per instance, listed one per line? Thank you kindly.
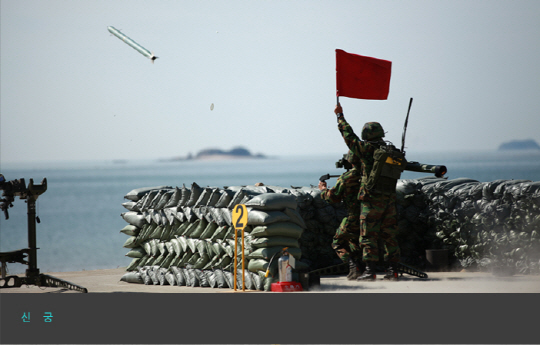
(346, 241)
(378, 217)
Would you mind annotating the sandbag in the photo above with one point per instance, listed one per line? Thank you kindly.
(220, 279)
(131, 206)
(185, 196)
(268, 253)
(130, 230)
(204, 196)
(134, 218)
(224, 199)
(132, 277)
(162, 202)
(272, 202)
(257, 217)
(131, 242)
(275, 241)
(201, 277)
(144, 273)
(136, 194)
(195, 194)
(133, 265)
(137, 252)
(180, 279)
(286, 229)
(237, 198)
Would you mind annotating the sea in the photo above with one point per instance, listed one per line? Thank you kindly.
(80, 212)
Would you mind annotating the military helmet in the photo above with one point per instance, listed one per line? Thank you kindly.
(372, 131)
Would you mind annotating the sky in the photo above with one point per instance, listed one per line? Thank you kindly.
(71, 91)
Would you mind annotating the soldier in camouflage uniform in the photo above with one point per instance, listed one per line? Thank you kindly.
(378, 217)
(346, 241)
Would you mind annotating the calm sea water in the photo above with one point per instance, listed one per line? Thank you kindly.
(80, 211)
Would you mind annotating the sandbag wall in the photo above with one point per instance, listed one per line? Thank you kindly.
(184, 236)
(493, 226)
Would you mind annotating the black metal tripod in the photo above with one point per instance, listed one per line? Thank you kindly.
(33, 277)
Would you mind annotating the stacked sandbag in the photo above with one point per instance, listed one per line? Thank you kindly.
(322, 220)
(488, 225)
(185, 236)
(273, 224)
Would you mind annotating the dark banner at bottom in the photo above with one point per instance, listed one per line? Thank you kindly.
(266, 318)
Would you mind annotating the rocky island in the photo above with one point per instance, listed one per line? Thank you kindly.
(212, 153)
(528, 144)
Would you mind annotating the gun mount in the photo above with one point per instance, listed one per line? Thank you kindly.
(27, 256)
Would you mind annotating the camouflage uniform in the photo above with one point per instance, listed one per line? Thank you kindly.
(378, 211)
(346, 240)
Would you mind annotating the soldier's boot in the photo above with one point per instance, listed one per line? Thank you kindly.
(356, 268)
(392, 272)
(370, 274)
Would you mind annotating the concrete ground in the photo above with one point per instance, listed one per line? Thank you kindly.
(108, 281)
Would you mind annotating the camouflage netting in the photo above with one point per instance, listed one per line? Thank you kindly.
(184, 236)
(492, 226)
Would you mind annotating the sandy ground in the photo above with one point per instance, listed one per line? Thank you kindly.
(108, 281)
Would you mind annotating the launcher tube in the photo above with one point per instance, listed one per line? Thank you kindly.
(438, 170)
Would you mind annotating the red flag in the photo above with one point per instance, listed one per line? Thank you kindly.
(362, 77)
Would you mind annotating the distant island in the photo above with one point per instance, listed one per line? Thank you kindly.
(528, 144)
(218, 154)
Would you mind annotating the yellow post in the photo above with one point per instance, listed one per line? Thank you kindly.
(235, 255)
(240, 218)
(243, 264)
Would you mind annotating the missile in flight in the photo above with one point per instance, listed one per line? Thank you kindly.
(132, 43)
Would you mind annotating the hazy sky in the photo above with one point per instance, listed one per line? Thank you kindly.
(71, 91)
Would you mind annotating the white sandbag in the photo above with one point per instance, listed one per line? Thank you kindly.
(131, 206)
(131, 242)
(134, 218)
(220, 279)
(161, 272)
(201, 276)
(130, 230)
(179, 274)
(132, 277)
(137, 252)
(177, 247)
(144, 273)
(170, 278)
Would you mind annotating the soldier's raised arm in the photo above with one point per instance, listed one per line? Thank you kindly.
(351, 139)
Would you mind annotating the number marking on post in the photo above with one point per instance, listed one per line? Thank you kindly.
(240, 217)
